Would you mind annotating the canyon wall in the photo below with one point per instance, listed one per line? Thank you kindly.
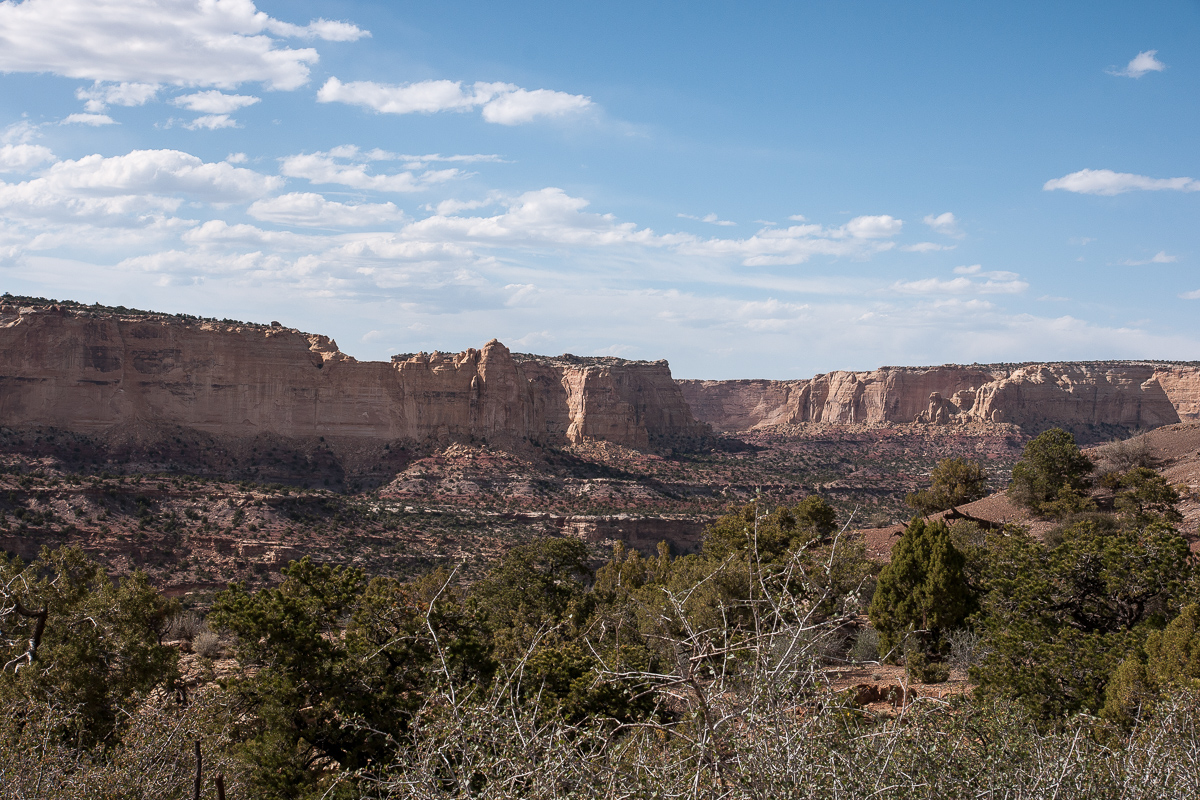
(89, 371)
(1118, 394)
(95, 370)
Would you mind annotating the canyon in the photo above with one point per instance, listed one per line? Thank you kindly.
(87, 371)
(90, 370)
(1095, 400)
(205, 450)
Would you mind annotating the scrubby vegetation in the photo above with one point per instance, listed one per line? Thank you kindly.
(714, 674)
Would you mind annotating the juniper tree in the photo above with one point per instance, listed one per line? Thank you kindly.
(921, 590)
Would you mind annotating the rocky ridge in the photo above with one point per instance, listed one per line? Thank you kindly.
(1094, 399)
(88, 371)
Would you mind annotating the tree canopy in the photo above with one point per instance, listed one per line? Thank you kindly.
(1052, 476)
(954, 481)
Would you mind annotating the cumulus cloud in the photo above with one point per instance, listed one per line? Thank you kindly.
(959, 286)
(711, 219)
(1141, 64)
(23, 157)
(95, 120)
(354, 153)
(945, 224)
(141, 182)
(1161, 257)
(220, 43)
(211, 122)
(502, 103)
(1106, 182)
(329, 30)
(101, 95)
(1194, 295)
(880, 227)
(161, 171)
(217, 232)
(977, 270)
(925, 247)
(346, 166)
(310, 209)
(214, 102)
(551, 216)
(518, 106)
(448, 207)
(858, 238)
(994, 282)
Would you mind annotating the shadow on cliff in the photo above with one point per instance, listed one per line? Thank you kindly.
(338, 464)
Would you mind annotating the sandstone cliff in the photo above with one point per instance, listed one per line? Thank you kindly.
(89, 371)
(1102, 395)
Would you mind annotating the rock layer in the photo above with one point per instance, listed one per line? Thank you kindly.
(91, 371)
(1118, 394)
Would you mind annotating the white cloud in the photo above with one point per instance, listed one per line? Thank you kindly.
(925, 247)
(945, 224)
(21, 132)
(220, 43)
(502, 103)
(1108, 183)
(997, 282)
(1141, 64)
(325, 167)
(329, 30)
(1161, 257)
(711, 219)
(21, 157)
(1194, 295)
(792, 245)
(309, 209)
(211, 122)
(448, 207)
(354, 153)
(236, 158)
(522, 105)
(217, 232)
(214, 102)
(95, 120)
(977, 269)
(101, 95)
(880, 227)
(144, 172)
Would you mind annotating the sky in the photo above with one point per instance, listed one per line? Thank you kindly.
(750, 190)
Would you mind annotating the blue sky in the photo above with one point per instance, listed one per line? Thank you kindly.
(766, 190)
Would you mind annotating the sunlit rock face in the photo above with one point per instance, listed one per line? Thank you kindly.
(1117, 394)
(88, 371)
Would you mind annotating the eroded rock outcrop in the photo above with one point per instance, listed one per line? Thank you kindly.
(92, 370)
(1120, 395)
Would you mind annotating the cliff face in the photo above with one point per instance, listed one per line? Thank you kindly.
(89, 371)
(1128, 395)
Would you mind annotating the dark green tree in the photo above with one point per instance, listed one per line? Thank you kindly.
(921, 590)
(335, 666)
(1052, 476)
(1058, 618)
(535, 588)
(1170, 659)
(72, 638)
(770, 536)
(954, 481)
(1144, 496)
